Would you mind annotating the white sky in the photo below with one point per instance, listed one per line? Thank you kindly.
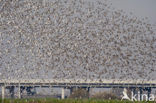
(140, 8)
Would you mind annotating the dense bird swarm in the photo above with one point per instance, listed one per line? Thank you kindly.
(73, 39)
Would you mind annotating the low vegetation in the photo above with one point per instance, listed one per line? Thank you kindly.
(51, 100)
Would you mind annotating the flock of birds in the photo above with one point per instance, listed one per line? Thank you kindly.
(74, 39)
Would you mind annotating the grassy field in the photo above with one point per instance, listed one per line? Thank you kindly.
(51, 100)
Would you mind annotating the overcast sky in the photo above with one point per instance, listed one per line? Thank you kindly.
(140, 8)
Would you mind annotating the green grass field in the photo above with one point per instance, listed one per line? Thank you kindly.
(51, 100)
